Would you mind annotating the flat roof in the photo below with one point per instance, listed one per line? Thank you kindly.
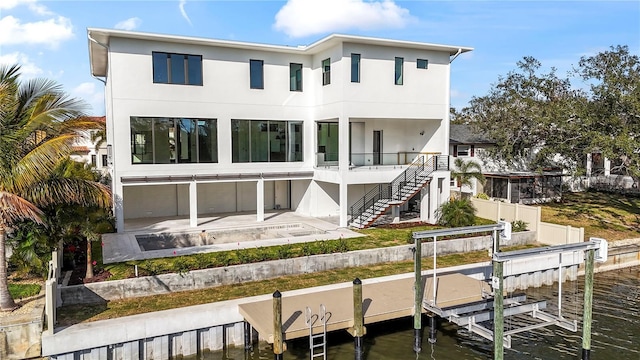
(99, 38)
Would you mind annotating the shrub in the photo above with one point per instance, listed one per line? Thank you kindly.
(518, 225)
(284, 251)
(307, 249)
(482, 196)
(456, 213)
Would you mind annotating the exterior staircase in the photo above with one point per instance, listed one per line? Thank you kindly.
(382, 197)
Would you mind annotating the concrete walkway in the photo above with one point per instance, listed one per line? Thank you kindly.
(119, 247)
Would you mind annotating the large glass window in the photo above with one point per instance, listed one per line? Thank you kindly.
(326, 71)
(177, 68)
(399, 70)
(171, 140)
(355, 68)
(328, 141)
(266, 141)
(295, 77)
(256, 74)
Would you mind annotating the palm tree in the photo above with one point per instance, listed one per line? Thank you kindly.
(465, 171)
(456, 213)
(38, 125)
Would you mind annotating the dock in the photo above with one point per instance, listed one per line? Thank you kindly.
(386, 300)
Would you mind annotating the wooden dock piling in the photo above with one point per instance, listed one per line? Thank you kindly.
(417, 287)
(588, 304)
(358, 330)
(278, 345)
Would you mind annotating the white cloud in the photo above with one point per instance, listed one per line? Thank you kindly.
(93, 96)
(299, 18)
(33, 6)
(129, 24)
(28, 69)
(48, 32)
(183, 11)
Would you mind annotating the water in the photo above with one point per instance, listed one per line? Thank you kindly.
(615, 331)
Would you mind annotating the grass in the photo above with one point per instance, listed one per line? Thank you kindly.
(604, 215)
(69, 315)
(372, 239)
(21, 291)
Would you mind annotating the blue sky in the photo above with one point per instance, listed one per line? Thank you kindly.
(49, 37)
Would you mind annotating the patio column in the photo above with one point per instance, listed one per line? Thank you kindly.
(589, 165)
(118, 206)
(343, 165)
(260, 200)
(193, 204)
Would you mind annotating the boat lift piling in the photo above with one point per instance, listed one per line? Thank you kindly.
(472, 312)
(358, 330)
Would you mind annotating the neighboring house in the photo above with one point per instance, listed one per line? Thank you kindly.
(513, 185)
(202, 126)
(470, 146)
(86, 150)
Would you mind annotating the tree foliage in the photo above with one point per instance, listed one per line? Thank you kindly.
(456, 213)
(540, 119)
(38, 125)
(465, 171)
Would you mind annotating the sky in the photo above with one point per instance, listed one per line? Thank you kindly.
(49, 38)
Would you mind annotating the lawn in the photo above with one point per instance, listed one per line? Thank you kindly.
(21, 291)
(604, 215)
(74, 314)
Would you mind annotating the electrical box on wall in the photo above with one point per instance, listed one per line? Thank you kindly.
(603, 249)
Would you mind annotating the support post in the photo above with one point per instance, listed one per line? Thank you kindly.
(247, 336)
(588, 304)
(417, 309)
(433, 331)
(498, 311)
(278, 345)
(358, 330)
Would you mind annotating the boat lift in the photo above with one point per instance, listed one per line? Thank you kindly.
(469, 302)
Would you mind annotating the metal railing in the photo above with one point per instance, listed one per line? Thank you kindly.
(378, 199)
(372, 158)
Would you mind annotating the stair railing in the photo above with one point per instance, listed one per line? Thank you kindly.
(419, 169)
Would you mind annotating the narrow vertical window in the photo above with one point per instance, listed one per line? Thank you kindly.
(93, 160)
(295, 77)
(399, 70)
(105, 160)
(355, 68)
(326, 71)
(160, 68)
(194, 66)
(256, 74)
(178, 66)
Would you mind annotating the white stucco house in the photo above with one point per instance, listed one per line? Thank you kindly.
(202, 126)
(88, 151)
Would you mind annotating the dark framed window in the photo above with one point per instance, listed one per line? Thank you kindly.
(326, 71)
(173, 140)
(177, 68)
(256, 74)
(355, 68)
(93, 160)
(105, 160)
(399, 65)
(266, 141)
(422, 64)
(295, 77)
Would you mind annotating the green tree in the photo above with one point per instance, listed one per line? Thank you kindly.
(38, 125)
(532, 117)
(465, 172)
(613, 107)
(456, 213)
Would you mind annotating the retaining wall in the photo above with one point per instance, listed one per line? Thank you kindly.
(207, 278)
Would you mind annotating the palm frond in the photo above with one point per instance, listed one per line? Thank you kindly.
(38, 164)
(69, 191)
(14, 208)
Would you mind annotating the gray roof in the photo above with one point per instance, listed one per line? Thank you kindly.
(464, 134)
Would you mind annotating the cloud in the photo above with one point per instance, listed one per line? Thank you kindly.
(28, 69)
(299, 18)
(94, 97)
(33, 6)
(129, 24)
(183, 11)
(49, 32)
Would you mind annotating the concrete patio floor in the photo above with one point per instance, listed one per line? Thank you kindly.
(119, 247)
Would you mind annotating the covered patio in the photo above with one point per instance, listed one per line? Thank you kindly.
(280, 227)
